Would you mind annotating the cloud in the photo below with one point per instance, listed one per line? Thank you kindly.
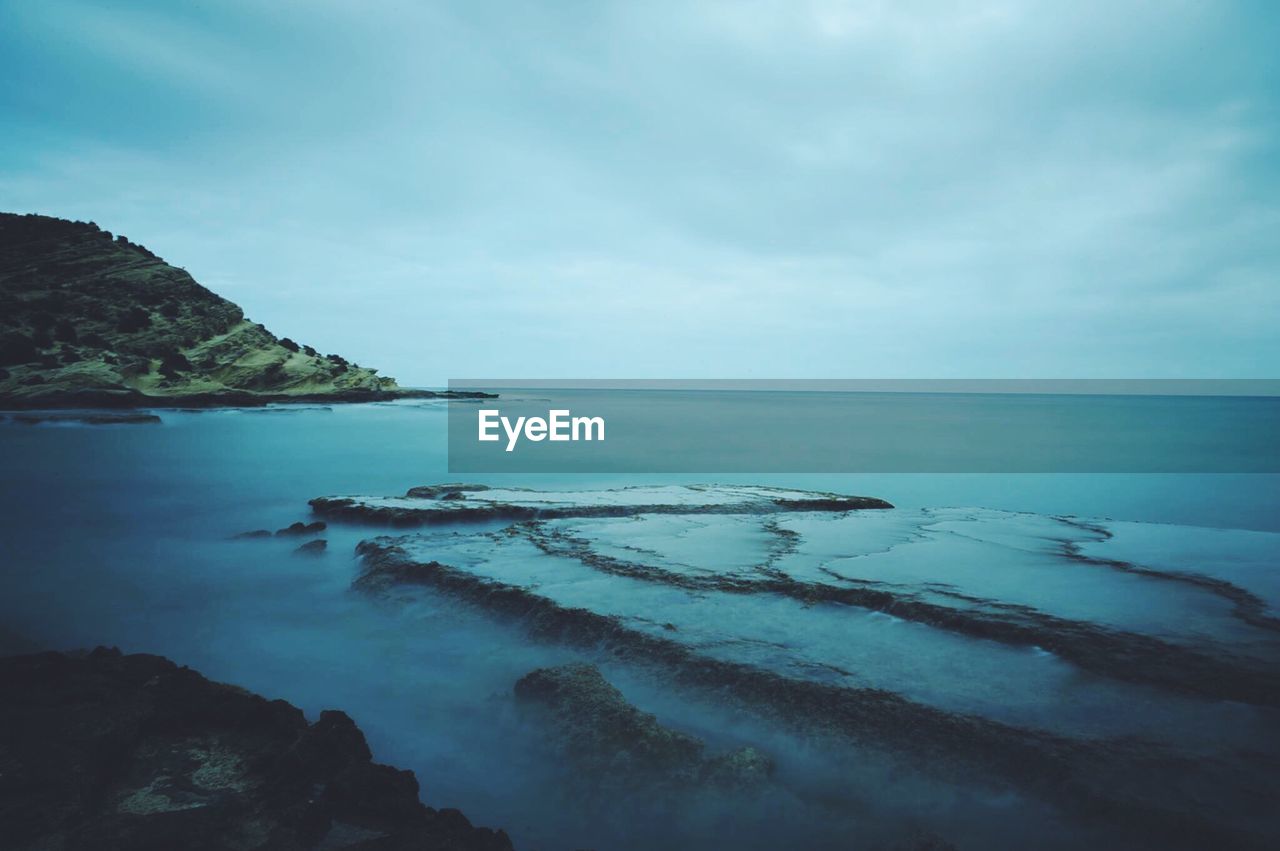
(812, 189)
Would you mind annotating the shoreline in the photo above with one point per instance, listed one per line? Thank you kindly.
(114, 400)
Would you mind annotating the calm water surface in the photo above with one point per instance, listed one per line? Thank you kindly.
(119, 535)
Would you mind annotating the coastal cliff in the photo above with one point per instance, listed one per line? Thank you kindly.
(88, 318)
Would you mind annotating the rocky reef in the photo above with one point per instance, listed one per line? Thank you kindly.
(466, 503)
(111, 751)
(981, 647)
(1114, 783)
(88, 319)
(614, 742)
(1104, 650)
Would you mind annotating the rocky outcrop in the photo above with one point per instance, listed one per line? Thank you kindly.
(92, 320)
(466, 503)
(108, 751)
(299, 528)
(456, 490)
(615, 742)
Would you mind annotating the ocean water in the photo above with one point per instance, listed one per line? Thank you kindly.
(122, 535)
(790, 431)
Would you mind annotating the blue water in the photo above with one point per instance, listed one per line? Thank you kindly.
(752, 431)
(119, 535)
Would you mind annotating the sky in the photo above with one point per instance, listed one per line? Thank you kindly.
(692, 189)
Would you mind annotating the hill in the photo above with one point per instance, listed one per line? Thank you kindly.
(88, 318)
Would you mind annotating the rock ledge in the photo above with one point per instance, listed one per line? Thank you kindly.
(108, 751)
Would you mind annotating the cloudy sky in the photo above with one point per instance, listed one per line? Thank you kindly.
(799, 188)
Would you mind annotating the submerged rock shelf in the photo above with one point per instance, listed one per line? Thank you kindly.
(1108, 652)
(472, 503)
(616, 743)
(982, 646)
(1089, 779)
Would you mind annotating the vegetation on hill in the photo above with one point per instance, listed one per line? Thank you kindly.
(89, 317)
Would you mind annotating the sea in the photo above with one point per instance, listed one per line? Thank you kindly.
(126, 536)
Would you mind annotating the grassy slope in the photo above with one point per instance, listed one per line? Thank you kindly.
(83, 312)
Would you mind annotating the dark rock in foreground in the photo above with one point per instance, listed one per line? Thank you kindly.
(313, 548)
(106, 751)
(609, 737)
